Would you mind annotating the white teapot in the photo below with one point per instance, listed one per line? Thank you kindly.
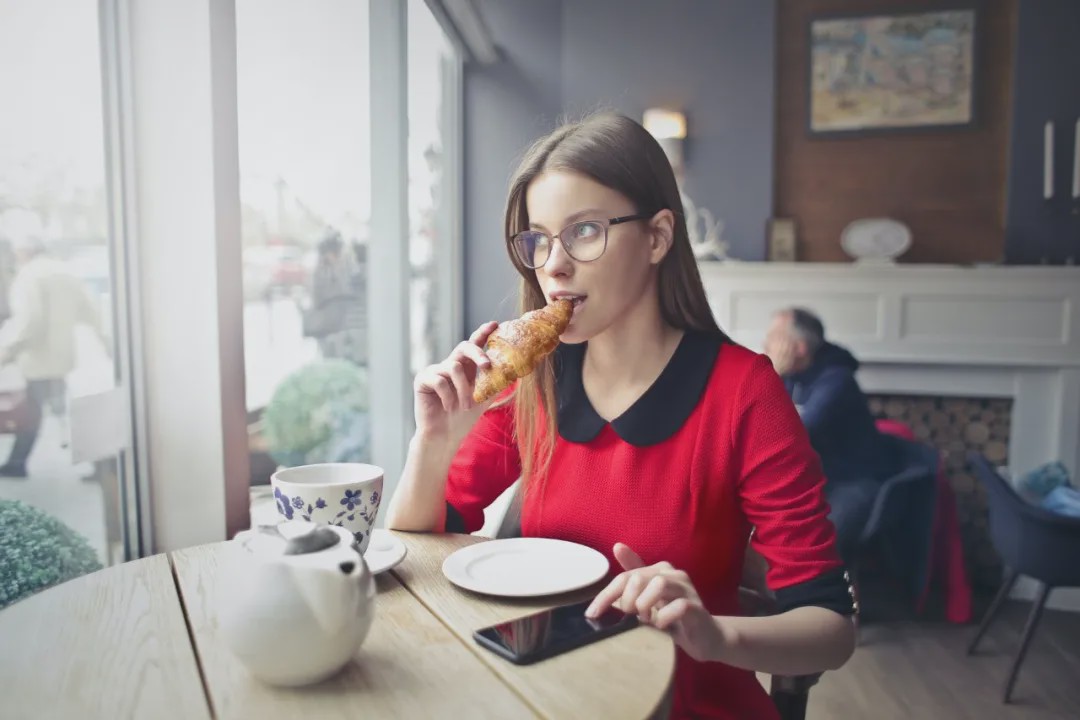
(297, 601)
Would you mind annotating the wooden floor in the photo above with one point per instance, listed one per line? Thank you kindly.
(912, 669)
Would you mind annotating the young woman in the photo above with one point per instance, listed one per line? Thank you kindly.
(647, 435)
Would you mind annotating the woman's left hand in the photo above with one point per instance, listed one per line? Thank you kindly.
(664, 597)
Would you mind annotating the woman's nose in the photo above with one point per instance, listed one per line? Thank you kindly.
(559, 261)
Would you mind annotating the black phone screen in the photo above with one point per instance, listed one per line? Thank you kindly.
(551, 632)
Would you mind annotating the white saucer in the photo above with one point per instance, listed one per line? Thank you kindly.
(524, 567)
(384, 551)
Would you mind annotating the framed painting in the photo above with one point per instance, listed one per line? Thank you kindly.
(892, 72)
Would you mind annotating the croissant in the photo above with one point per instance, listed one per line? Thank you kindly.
(515, 348)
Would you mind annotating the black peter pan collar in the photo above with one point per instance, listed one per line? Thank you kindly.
(658, 413)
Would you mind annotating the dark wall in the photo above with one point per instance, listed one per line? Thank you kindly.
(561, 58)
(948, 187)
(506, 106)
(1046, 89)
(738, 68)
(712, 60)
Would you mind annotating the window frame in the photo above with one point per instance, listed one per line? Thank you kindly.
(173, 506)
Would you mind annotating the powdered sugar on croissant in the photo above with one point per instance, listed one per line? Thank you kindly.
(516, 347)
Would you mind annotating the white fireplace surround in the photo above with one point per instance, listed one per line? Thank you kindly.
(1008, 332)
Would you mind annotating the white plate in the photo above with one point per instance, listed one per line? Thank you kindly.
(384, 551)
(524, 567)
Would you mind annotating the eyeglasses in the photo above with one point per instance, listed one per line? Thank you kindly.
(584, 241)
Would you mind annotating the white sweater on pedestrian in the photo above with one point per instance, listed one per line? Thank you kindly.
(47, 304)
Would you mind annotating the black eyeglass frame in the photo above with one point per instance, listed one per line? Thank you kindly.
(516, 251)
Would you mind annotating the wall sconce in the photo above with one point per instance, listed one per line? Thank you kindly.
(704, 228)
(665, 124)
(669, 129)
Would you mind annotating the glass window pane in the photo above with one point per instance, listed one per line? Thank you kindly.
(432, 225)
(55, 295)
(302, 76)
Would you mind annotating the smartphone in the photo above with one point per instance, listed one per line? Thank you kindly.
(551, 632)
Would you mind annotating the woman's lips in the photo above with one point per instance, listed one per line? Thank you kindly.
(575, 299)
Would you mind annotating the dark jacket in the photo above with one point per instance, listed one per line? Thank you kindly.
(835, 413)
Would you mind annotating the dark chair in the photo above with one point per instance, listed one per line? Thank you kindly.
(919, 466)
(789, 693)
(904, 501)
(1032, 541)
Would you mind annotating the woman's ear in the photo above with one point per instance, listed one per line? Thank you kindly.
(662, 235)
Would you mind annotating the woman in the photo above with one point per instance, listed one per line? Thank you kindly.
(647, 435)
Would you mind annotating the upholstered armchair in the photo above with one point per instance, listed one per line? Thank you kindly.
(1032, 541)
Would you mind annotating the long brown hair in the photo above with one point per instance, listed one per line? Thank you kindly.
(620, 154)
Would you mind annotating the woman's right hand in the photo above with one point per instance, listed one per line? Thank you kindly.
(442, 402)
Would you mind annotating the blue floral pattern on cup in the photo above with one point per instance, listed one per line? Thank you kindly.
(319, 505)
(351, 500)
(283, 505)
(356, 510)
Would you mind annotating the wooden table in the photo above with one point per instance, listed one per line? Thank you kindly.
(141, 640)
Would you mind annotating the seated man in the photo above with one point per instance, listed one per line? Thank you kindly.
(820, 377)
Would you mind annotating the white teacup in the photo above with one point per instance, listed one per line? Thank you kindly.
(342, 494)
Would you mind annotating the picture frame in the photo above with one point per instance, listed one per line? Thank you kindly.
(905, 71)
(782, 241)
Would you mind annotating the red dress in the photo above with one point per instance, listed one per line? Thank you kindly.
(711, 450)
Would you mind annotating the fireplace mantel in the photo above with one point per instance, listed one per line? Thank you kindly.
(936, 330)
(982, 316)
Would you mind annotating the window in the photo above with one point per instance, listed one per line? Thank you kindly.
(303, 110)
(57, 285)
(434, 227)
(312, 186)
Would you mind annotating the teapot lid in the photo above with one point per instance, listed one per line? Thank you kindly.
(299, 541)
